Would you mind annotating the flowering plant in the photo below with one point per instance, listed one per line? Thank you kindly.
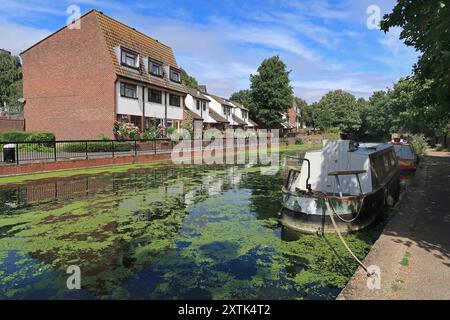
(125, 130)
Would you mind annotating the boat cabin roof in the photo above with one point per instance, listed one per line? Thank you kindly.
(371, 148)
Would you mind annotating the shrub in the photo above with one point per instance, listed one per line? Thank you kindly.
(97, 147)
(103, 137)
(125, 130)
(152, 133)
(22, 136)
(419, 144)
(41, 136)
(298, 141)
(333, 134)
(171, 130)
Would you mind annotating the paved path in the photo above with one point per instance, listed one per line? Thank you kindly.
(413, 252)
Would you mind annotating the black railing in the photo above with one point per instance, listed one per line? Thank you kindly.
(41, 151)
(53, 151)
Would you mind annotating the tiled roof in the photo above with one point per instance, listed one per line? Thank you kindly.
(239, 121)
(221, 100)
(192, 114)
(118, 34)
(217, 116)
(196, 94)
(237, 104)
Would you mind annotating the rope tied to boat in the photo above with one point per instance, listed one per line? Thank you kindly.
(361, 264)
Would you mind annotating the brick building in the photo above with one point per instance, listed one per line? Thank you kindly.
(294, 117)
(78, 82)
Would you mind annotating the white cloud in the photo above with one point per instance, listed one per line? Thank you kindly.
(16, 38)
(319, 40)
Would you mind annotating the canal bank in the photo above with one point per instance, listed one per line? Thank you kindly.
(413, 252)
(116, 168)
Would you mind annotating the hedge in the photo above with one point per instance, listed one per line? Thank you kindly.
(97, 147)
(24, 136)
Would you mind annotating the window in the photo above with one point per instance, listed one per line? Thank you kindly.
(204, 105)
(169, 123)
(198, 104)
(175, 100)
(244, 114)
(128, 90)
(155, 96)
(129, 58)
(155, 68)
(175, 75)
(122, 118)
(226, 111)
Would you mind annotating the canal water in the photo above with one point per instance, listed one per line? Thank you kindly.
(192, 232)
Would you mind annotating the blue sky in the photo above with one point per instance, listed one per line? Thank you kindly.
(326, 44)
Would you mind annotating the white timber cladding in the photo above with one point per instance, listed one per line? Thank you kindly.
(335, 157)
(191, 104)
(130, 106)
(217, 107)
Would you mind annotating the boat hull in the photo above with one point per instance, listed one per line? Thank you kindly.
(310, 213)
(407, 164)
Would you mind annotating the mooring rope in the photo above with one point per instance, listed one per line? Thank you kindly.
(345, 243)
(342, 219)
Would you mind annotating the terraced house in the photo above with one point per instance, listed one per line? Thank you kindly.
(78, 82)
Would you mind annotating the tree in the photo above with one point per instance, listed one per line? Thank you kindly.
(187, 80)
(425, 26)
(10, 79)
(305, 112)
(245, 98)
(271, 91)
(338, 109)
(377, 117)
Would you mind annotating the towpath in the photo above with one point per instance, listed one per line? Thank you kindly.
(413, 252)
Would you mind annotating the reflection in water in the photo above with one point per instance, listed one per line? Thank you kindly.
(167, 233)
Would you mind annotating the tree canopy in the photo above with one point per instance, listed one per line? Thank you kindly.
(338, 109)
(305, 110)
(10, 79)
(188, 80)
(425, 26)
(271, 91)
(244, 97)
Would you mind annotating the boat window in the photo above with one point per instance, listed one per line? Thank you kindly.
(393, 159)
(375, 181)
(386, 162)
(380, 168)
(406, 152)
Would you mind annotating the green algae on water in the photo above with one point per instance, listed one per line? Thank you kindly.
(208, 232)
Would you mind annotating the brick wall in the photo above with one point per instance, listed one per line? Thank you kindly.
(69, 84)
(292, 117)
(11, 124)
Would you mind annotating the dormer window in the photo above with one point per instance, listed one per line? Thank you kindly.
(155, 68)
(129, 58)
(204, 105)
(226, 111)
(198, 104)
(175, 75)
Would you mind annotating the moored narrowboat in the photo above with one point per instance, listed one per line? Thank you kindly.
(407, 158)
(344, 186)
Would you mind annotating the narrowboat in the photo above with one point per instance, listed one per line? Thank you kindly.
(407, 158)
(352, 182)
